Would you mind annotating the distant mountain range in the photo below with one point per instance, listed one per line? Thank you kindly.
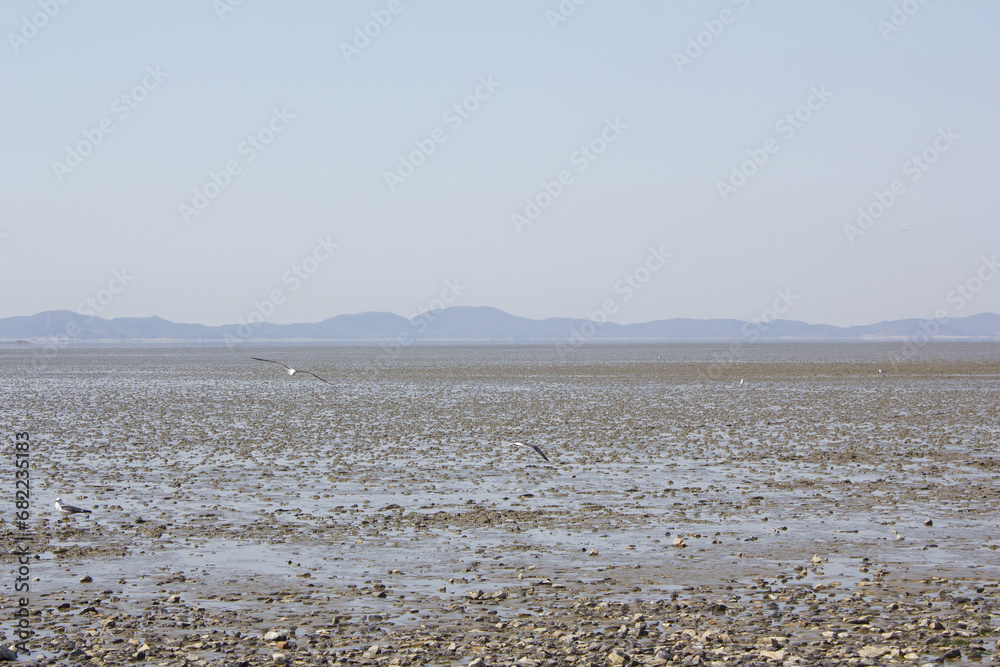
(482, 324)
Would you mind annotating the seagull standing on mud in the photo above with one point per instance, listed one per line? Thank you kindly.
(537, 449)
(291, 371)
(67, 510)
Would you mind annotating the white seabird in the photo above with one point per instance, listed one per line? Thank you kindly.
(537, 449)
(66, 510)
(291, 371)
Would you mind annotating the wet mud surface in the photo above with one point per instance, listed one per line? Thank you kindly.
(820, 513)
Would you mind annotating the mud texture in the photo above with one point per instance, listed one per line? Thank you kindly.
(819, 513)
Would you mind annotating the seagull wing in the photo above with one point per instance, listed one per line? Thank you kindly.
(540, 452)
(70, 508)
(271, 361)
(537, 449)
(316, 376)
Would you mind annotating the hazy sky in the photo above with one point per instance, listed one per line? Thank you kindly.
(204, 160)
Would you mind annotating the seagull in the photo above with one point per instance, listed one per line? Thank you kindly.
(537, 449)
(66, 510)
(741, 382)
(291, 371)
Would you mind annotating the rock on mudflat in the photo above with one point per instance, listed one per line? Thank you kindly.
(874, 651)
(275, 636)
(618, 657)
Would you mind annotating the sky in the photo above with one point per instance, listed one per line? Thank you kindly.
(220, 161)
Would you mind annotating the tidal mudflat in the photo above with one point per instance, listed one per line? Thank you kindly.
(821, 513)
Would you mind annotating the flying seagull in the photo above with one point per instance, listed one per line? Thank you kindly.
(291, 371)
(66, 510)
(538, 450)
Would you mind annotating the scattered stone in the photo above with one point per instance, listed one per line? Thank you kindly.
(874, 651)
(275, 636)
(618, 657)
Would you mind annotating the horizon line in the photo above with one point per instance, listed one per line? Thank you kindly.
(423, 314)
